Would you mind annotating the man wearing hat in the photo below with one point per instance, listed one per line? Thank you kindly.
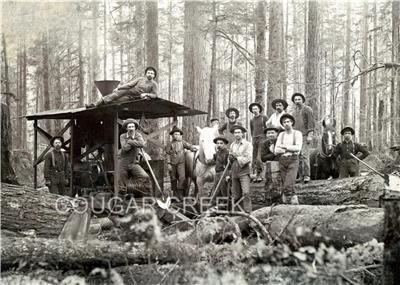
(143, 87)
(288, 147)
(348, 165)
(257, 124)
(131, 143)
(56, 167)
(305, 123)
(221, 161)
(232, 114)
(175, 152)
(273, 180)
(240, 156)
(280, 106)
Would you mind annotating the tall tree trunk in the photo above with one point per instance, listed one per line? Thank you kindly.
(23, 98)
(364, 78)
(105, 40)
(195, 75)
(375, 82)
(296, 47)
(170, 47)
(276, 66)
(346, 86)
(94, 54)
(212, 107)
(260, 62)
(5, 78)
(231, 76)
(311, 67)
(58, 94)
(80, 59)
(395, 90)
(152, 60)
(140, 56)
(46, 93)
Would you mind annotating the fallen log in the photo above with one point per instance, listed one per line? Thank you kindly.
(54, 253)
(23, 209)
(356, 190)
(342, 225)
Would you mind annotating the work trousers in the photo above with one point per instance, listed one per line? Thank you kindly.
(240, 192)
(305, 158)
(177, 176)
(223, 186)
(57, 183)
(130, 170)
(273, 182)
(288, 166)
(348, 168)
(256, 163)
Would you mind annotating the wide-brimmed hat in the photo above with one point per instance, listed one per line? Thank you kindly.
(56, 138)
(298, 94)
(221, 138)
(235, 127)
(232, 109)
(151, 68)
(271, 129)
(287, 116)
(256, 104)
(130, 121)
(279, 100)
(214, 119)
(174, 130)
(347, 129)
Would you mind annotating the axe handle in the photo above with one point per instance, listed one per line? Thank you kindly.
(370, 167)
(152, 174)
(220, 180)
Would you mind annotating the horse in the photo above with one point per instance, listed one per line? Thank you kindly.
(199, 166)
(322, 161)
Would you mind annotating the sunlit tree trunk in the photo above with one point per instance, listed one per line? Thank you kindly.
(45, 76)
(5, 75)
(94, 54)
(140, 56)
(395, 90)
(346, 86)
(276, 74)
(105, 40)
(80, 58)
(364, 78)
(212, 107)
(195, 81)
(375, 140)
(312, 58)
(260, 62)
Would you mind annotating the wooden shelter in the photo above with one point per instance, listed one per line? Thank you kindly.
(95, 128)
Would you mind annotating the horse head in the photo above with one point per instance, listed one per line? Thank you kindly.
(206, 144)
(329, 136)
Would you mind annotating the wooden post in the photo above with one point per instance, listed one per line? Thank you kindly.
(35, 153)
(71, 155)
(391, 232)
(391, 255)
(115, 152)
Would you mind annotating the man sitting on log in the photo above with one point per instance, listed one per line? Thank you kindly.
(56, 167)
(273, 180)
(288, 147)
(143, 87)
(129, 168)
(348, 165)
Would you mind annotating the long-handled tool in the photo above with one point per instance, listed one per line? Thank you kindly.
(166, 201)
(215, 191)
(370, 167)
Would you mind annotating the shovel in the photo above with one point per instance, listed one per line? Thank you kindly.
(165, 202)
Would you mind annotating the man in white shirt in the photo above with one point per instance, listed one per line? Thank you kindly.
(288, 147)
(280, 107)
(240, 156)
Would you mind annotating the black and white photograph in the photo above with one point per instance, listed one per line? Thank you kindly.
(231, 142)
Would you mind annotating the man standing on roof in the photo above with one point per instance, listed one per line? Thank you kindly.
(348, 165)
(131, 142)
(257, 133)
(232, 114)
(56, 167)
(143, 87)
(305, 123)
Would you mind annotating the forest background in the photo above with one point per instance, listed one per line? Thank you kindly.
(344, 56)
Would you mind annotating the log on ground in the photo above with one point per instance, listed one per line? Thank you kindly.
(54, 253)
(343, 225)
(356, 190)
